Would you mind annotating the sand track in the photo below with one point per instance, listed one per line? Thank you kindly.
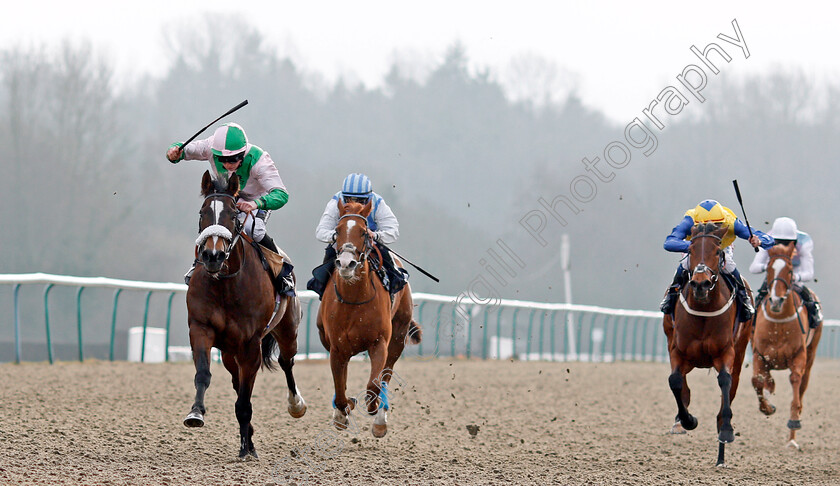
(538, 423)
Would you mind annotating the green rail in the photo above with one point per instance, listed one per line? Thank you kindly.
(595, 333)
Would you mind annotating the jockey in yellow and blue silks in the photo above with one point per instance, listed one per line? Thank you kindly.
(711, 211)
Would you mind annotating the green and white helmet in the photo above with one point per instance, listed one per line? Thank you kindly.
(228, 140)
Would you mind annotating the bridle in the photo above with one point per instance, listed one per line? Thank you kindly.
(367, 247)
(217, 229)
(788, 283)
(361, 255)
(702, 267)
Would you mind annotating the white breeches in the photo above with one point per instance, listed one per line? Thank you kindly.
(254, 222)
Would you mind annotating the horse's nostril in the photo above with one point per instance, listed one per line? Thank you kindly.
(353, 264)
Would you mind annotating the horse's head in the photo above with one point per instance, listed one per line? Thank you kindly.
(352, 240)
(779, 274)
(704, 259)
(218, 225)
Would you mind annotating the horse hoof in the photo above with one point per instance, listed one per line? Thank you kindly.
(794, 424)
(726, 436)
(340, 420)
(379, 431)
(380, 424)
(194, 419)
(690, 423)
(721, 465)
(792, 445)
(677, 429)
(248, 456)
(298, 409)
(767, 410)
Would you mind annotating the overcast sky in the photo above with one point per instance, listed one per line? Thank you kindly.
(623, 53)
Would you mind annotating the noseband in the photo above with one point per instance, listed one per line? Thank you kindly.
(702, 267)
(220, 230)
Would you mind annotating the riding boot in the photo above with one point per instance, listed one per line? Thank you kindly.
(396, 277)
(815, 315)
(322, 273)
(267, 242)
(670, 301)
(189, 273)
(747, 309)
(762, 293)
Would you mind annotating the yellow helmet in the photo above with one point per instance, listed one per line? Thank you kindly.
(709, 211)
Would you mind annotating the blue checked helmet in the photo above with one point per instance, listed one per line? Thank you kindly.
(356, 185)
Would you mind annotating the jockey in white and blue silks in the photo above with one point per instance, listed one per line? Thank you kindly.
(785, 232)
(711, 211)
(381, 222)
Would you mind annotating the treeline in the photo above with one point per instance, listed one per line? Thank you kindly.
(89, 192)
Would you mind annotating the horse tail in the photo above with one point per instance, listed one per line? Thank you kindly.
(269, 346)
(415, 333)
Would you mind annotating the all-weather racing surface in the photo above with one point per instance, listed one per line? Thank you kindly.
(451, 422)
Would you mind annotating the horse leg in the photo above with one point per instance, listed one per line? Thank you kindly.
(376, 405)
(797, 367)
(286, 336)
(760, 379)
(201, 341)
(342, 406)
(682, 395)
(249, 364)
(726, 433)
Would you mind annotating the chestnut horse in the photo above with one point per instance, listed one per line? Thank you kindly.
(704, 333)
(782, 338)
(231, 305)
(356, 314)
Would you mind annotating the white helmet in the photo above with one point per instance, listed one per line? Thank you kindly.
(783, 229)
(229, 140)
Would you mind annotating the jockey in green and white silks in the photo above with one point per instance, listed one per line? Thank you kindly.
(381, 221)
(261, 189)
(785, 232)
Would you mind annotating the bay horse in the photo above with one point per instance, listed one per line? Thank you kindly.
(231, 306)
(782, 338)
(356, 314)
(705, 333)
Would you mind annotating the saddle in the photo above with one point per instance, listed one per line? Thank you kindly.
(278, 266)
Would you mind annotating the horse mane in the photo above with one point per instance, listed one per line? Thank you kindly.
(705, 228)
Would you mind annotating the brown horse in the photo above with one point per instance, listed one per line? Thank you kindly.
(704, 333)
(356, 314)
(231, 305)
(782, 338)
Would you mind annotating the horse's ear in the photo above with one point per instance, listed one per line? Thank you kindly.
(206, 184)
(720, 231)
(342, 210)
(696, 229)
(233, 185)
(367, 207)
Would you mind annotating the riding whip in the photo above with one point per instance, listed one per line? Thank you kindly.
(413, 265)
(240, 105)
(741, 202)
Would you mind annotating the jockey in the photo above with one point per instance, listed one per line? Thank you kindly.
(711, 211)
(784, 231)
(382, 224)
(261, 189)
